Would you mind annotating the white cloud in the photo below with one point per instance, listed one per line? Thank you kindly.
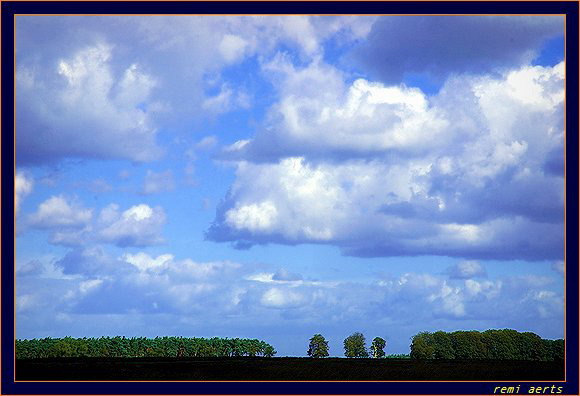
(282, 298)
(318, 112)
(162, 286)
(71, 237)
(466, 270)
(490, 289)
(232, 47)
(253, 217)
(81, 109)
(140, 225)
(72, 225)
(145, 262)
(26, 302)
(386, 170)
(58, 212)
(450, 300)
(89, 98)
(182, 270)
(23, 185)
(226, 100)
(82, 289)
(91, 261)
(89, 285)
(32, 267)
(284, 275)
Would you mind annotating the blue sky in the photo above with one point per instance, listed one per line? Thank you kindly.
(280, 176)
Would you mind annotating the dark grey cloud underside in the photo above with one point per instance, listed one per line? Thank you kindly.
(442, 45)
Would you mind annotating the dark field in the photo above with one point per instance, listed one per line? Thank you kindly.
(285, 369)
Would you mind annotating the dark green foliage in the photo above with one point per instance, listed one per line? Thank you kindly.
(378, 347)
(468, 345)
(354, 346)
(318, 346)
(555, 349)
(141, 347)
(491, 344)
(422, 346)
(501, 344)
(533, 347)
(443, 345)
(398, 356)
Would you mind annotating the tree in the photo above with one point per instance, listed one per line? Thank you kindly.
(354, 346)
(318, 346)
(269, 351)
(422, 346)
(468, 345)
(377, 347)
(443, 345)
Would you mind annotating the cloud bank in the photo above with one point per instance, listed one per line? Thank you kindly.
(92, 284)
(70, 224)
(387, 171)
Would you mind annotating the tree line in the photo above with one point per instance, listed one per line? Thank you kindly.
(354, 347)
(503, 344)
(141, 347)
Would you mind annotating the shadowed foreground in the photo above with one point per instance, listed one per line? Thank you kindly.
(283, 369)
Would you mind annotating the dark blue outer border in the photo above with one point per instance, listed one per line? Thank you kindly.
(9, 9)
(290, 7)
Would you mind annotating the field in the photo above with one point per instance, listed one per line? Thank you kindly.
(284, 368)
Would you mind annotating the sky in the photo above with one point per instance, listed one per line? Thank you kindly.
(274, 177)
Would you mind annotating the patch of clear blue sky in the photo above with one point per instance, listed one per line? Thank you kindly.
(552, 53)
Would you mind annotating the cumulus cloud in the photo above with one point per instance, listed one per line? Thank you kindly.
(78, 107)
(72, 225)
(145, 262)
(385, 170)
(466, 270)
(156, 182)
(23, 185)
(140, 225)
(57, 211)
(94, 285)
(71, 237)
(85, 97)
(162, 284)
(90, 261)
(32, 267)
(285, 275)
(443, 45)
(281, 298)
(226, 100)
(183, 269)
(321, 115)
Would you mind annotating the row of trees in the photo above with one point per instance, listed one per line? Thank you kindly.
(491, 344)
(354, 346)
(141, 347)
